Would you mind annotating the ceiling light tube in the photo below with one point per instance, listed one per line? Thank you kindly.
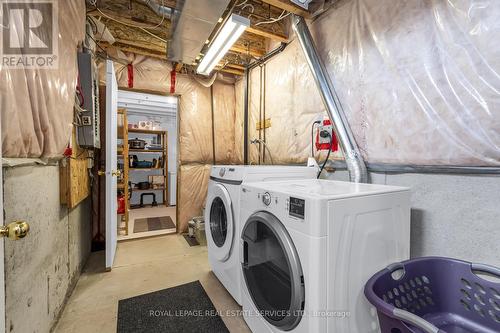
(228, 35)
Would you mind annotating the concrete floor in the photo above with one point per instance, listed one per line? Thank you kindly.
(141, 266)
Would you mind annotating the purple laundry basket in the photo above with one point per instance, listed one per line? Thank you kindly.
(436, 295)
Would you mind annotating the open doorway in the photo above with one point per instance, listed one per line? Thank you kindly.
(148, 161)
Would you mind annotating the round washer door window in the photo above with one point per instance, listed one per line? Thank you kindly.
(272, 271)
(218, 222)
(219, 217)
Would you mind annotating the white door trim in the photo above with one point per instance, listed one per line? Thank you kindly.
(111, 163)
(2, 254)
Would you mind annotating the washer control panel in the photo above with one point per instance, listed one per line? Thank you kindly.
(297, 207)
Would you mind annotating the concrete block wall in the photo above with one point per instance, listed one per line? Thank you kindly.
(41, 269)
(452, 215)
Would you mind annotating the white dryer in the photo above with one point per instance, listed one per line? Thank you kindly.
(222, 212)
(309, 246)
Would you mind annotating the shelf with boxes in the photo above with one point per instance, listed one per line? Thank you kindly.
(148, 153)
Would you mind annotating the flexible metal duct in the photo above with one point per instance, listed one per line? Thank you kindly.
(160, 10)
(352, 155)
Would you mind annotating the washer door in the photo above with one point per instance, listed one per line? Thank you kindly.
(272, 271)
(221, 224)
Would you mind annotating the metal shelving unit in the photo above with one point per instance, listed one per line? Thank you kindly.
(162, 136)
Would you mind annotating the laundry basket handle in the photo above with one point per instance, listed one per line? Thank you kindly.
(488, 269)
(416, 321)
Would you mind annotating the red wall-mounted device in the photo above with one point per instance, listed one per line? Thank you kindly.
(325, 137)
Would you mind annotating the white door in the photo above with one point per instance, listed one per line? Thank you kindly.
(111, 165)
(2, 277)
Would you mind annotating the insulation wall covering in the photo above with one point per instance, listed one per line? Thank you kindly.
(208, 126)
(239, 121)
(419, 81)
(283, 90)
(226, 124)
(193, 184)
(37, 104)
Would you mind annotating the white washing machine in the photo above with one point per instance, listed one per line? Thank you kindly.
(309, 246)
(222, 212)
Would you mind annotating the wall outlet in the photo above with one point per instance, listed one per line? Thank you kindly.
(86, 121)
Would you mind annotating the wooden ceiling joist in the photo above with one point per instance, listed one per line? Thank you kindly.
(249, 51)
(266, 34)
(132, 49)
(143, 45)
(289, 7)
(230, 71)
(236, 66)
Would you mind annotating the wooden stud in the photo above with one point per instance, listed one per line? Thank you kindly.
(230, 71)
(263, 33)
(178, 67)
(74, 180)
(243, 50)
(236, 66)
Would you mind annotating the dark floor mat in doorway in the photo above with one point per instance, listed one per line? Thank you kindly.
(153, 224)
(191, 240)
(184, 308)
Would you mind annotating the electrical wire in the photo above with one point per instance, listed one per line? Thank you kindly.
(327, 157)
(312, 136)
(241, 3)
(162, 17)
(274, 20)
(131, 25)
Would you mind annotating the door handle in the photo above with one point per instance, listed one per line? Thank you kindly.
(114, 173)
(15, 230)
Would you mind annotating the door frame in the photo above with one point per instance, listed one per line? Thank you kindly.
(2, 253)
(111, 216)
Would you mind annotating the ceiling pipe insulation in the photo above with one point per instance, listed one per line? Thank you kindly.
(355, 164)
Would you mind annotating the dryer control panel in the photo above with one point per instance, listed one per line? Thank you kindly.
(297, 207)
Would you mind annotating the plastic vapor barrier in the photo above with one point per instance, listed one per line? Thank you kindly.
(193, 184)
(292, 102)
(239, 120)
(224, 123)
(419, 80)
(37, 104)
(195, 122)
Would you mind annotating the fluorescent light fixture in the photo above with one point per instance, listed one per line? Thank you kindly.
(228, 35)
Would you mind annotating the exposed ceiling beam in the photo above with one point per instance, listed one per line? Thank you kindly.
(230, 71)
(266, 34)
(135, 17)
(289, 7)
(143, 45)
(236, 66)
(133, 49)
(244, 50)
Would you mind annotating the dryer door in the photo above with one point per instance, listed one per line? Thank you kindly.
(272, 271)
(220, 220)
